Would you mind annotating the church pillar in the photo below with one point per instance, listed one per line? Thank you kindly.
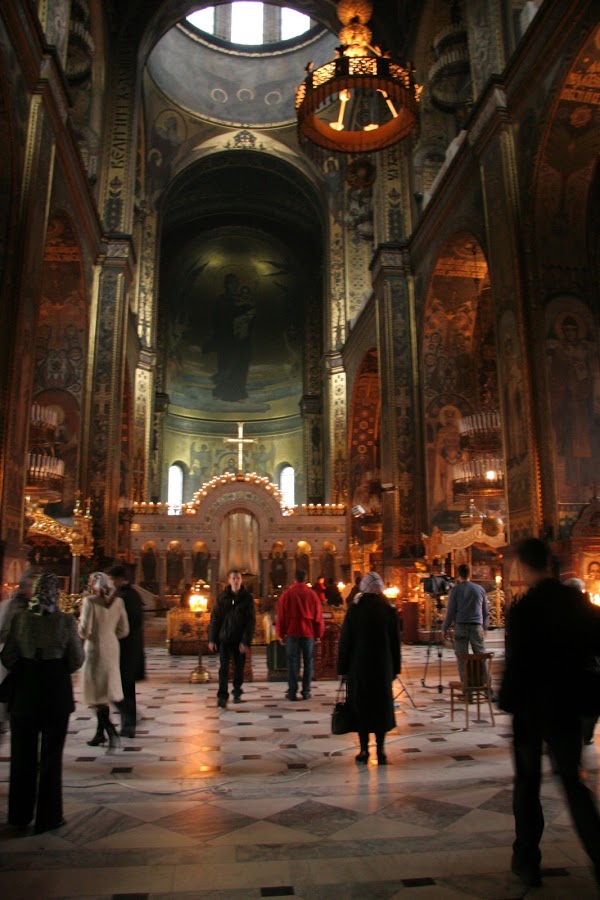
(19, 313)
(486, 32)
(313, 448)
(265, 583)
(493, 140)
(401, 452)
(213, 574)
(117, 182)
(161, 407)
(187, 568)
(162, 572)
(336, 439)
(107, 357)
(145, 303)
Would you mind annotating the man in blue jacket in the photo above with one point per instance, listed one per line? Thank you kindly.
(469, 611)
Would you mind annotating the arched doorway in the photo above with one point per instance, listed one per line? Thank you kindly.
(239, 543)
(463, 438)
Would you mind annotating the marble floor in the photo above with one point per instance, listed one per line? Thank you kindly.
(260, 800)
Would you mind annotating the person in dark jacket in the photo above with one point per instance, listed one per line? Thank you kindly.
(369, 659)
(332, 593)
(42, 650)
(552, 632)
(230, 630)
(354, 590)
(132, 660)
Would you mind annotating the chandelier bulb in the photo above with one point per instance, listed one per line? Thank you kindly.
(339, 125)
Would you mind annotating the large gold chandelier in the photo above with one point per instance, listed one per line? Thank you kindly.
(361, 101)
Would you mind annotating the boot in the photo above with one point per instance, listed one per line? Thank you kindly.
(113, 737)
(99, 736)
(363, 756)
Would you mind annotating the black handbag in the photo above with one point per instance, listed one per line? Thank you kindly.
(343, 718)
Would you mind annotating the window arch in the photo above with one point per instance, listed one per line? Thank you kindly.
(175, 489)
(287, 484)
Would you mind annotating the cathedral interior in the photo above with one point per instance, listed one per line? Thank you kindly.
(321, 296)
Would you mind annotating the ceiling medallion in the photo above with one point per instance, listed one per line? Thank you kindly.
(361, 101)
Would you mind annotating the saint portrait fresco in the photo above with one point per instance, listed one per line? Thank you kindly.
(233, 304)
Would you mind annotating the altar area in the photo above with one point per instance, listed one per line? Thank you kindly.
(236, 521)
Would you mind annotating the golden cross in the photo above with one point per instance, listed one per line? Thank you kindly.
(240, 441)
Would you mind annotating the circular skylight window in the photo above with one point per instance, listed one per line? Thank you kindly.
(250, 23)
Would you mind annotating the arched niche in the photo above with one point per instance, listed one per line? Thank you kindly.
(239, 543)
(200, 561)
(240, 312)
(302, 557)
(61, 346)
(364, 480)
(458, 363)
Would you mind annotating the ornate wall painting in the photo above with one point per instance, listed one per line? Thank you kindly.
(574, 393)
(232, 301)
(364, 462)
(66, 446)
(517, 438)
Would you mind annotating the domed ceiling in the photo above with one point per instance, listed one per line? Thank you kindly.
(232, 86)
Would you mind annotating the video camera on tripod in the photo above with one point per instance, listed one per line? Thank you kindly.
(438, 586)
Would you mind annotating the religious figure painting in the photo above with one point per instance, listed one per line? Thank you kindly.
(233, 311)
(574, 388)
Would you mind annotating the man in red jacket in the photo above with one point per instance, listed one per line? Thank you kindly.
(299, 621)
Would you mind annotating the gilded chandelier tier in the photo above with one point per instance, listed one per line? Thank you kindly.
(361, 101)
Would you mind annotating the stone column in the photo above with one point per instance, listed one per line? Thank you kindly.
(213, 574)
(162, 572)
(402, 451)
(493, 141)
(20, 305)
(265, 585)
(335, 443)
(103, 434)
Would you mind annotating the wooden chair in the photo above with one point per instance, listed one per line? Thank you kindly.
(475, 685)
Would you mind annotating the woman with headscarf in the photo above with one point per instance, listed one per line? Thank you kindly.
(41, 651)
(103, 623)
(369, 660)
(18, 602)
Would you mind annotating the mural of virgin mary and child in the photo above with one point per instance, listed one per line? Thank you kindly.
(231, 340)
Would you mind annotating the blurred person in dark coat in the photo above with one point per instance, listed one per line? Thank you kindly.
(369, 659)
(132, 660)
(41, 651)
(551, 634)
(17, 602)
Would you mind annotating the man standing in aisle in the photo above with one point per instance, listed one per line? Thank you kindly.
(468, 609)
(552, 633)
(133, 662)
(299, 622)
(231, 630)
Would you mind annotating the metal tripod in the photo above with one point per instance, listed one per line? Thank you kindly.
(436, 639)
(404, 690)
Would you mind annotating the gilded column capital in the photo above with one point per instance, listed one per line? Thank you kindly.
(390, 259)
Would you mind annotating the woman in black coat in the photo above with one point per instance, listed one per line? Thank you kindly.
(41, 651)
(369, 659)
